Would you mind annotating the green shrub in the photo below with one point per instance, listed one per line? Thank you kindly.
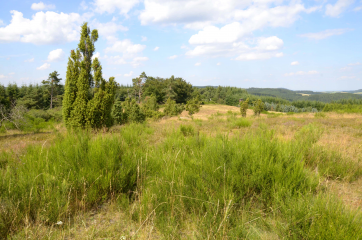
(117, 112)
(172, 109)
(187, 130)
(242, 122)
(193, 106)
(320, 115)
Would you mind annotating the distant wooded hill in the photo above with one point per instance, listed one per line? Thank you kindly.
(307, 95)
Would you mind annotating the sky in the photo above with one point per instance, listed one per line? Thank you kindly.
(299, 45)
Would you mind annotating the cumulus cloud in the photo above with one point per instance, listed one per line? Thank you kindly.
(198, 14)
(325, 34)
(96, 55)
(41, 6)
(128, 74)
(262, 48)
(346, 69)
(336, 9)
(110, 6)
(44, 66)
(172, 57)
(354, 64)
(1, 22)
(294, 63)
(348, 77)
(130, 52)
(138, 60)
(29, 60)
(197, 64)
(156, 49)
(56, 55)
(108, 29)
(300, 73)
(2, 76)
(83, 5)
(43, 28)
(143, 39)
(126, 47)
(225, 26)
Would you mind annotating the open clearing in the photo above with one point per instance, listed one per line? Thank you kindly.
(340, 134)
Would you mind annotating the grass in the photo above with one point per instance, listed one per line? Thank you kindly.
(226, 177)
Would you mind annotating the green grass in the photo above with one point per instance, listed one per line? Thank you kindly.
(188, 185)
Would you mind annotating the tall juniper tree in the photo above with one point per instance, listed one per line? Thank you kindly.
(82, 109)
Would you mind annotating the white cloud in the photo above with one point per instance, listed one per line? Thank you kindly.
(2, 76)
(336, 9)
(356, 9)
(83, 5)
(144, 39)
(346, 69)
(56, 55)
(138, 60)
(238, 20)
(227, 34)
(128, 74)
(354, 64)
(300, 73)
(12, 73)
(41, 6)
(264, 48)
(109, 29)
(294, 63)
(128, 50)
(109, 6)
(43, 28)
(172, 57)
(197, 64)
(348, 77)
(126, 47)
(218, 64)
(44, 66)
(325, 33)
(198, 14)
(1, 22)
(96, 55)
(156, 48)
(29, 60)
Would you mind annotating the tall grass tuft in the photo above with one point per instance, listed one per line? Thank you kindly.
(76, 173)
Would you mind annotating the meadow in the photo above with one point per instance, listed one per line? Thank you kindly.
(214, 175)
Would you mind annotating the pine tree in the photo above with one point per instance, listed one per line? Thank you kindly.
(52, 86)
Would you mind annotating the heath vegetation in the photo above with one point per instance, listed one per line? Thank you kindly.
(162, 159)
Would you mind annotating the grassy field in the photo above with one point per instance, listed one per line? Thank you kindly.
(211, 176)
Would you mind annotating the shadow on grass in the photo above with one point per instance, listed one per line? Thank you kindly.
(21, 135)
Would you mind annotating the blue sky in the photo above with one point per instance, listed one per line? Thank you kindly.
(300, 45)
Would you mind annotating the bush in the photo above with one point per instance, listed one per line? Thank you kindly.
(132, 111)
(187, 130)
(117, 112)
(320, 115)
(242, 122)
(193, 106)
(172, 109)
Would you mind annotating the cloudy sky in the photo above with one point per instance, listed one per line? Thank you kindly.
(315, 45)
